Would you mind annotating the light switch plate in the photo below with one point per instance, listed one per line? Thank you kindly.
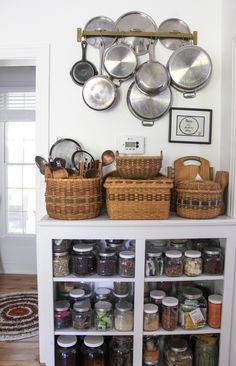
(130, 144)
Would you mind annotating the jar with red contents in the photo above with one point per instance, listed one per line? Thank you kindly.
(214, 310)
(62, 314)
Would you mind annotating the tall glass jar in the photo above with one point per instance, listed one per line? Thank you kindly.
(93, 351)
(61, 264)
(120, 351)
(178, 353)
(150, 317)
(213, 261)
(106, 263)
(192, 263)
(124, 317)
(127, 263)
(174, 263)
(192, 309)
(82, 260)
(214, 310)
(82, 315)
(103, 315)
(66, 351)
(62, 314)
(206, 351)
(169, 313)
(154, 263)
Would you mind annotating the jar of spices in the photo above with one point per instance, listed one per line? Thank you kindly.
(82, 315)
(62, 314)
(76, 294)
(61, 264)
(213, 261)
(157, 244)
(150, 317)
(156, 297)
(178, 353)
(103, 294)
(127, 263)
(66, 351)
(151, 353)
(154, 263)
(116, 245)
(214, 310)
(174, 263)
(192, 309)
(192, 263)
(106, 263)
(103, 315)
(93, 351)
(120, 351)
(121, 288)
(82, 260)
(169, 313)
(124, 317)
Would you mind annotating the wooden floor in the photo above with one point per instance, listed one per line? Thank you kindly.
(24, 352)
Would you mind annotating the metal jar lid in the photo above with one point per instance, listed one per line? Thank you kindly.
(178, 345)
(93, 341)
(192, 254)
(103, 291)
(128, 254)
(173, 254)
(107, 253)
(103, 306)
(192, 293)
(66, 340)
(154, 253)
(60, 254)
(82, 306)
(157, 294)
(62, 305)
(212, 250)
(150, 308)
(82, 248)
(123, 306)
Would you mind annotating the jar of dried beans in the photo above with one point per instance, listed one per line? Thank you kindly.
(213, 261)
(106, 263)
(170, 313)
(192, 263)
(82, 259)
(127, 263)
(174, 263)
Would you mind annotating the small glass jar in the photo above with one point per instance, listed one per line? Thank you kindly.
(62, 314)
(151, 353)
(179, 244)
(213, 261)
(127, 263)
(103, 315)
(192, 309)
(82, 260)
(150, 317)
(61, 264)
(120, 351)
(61, 245)
(66, 351)
(76, 294)
(170, 313)
(106, 263)
(116, 245)
(93, 351)
(192, 263)
(201, 244)
(174, 263)
(214, 310)
(82, 315)
(124, 317)
(178, 353)
(156, 297)
(154, 263)
(157, 244)
(121, 288)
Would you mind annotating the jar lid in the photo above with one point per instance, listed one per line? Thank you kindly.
(66, 340)
(103, 291)
(154, 252)
(212, 250)
(157, 294)
(150, 308)
(60, 254)
(82, 306)
(82, 248)
(77, 293)
(62, 305)
(127, 254)
(103, 305)
(215, 299)
(192, 253)
(157, 243)
(173, 254)
(107, 253)
(120, 295)
(178, 345)
(170, 301)
(192, 293)
(93, 341)
(123, 306)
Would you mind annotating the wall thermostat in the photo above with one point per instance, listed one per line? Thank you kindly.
(130, 144)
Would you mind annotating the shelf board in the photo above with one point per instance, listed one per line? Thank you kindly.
(183, 278)
(93, 278)
(92, 331)
(179, 331)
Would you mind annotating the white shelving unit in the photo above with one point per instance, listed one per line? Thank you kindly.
(101, 227)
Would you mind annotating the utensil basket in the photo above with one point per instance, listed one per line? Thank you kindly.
(74, 198)
(128, 199)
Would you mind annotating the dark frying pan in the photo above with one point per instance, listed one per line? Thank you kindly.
(83, 70)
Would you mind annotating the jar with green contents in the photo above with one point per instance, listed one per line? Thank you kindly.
(93, 352)
(61, 264)
(103, 315)
(178, 353)
(66, 351)
(120, 351)
(192, 309)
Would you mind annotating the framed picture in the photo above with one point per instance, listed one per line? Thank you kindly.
(191, 126)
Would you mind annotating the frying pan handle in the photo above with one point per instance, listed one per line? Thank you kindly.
(101, 56)
(84, 47)
(148, 123)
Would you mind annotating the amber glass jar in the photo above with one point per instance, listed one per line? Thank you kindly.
(66, 351)
(93, 351)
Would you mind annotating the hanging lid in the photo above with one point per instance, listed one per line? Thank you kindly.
(66, 340)
(93, 341)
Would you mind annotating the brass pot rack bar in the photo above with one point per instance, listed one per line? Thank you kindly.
(103, 33)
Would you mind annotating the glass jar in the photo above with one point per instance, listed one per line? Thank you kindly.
(61, 245)
(82, 260)
(154, 263)
(106, 263)
(206, 351)
(192, 263)
(174, 263)
(157, 244)
(178, 353)
(116, 245)
(150, 317)
(201, 244)
(169, 313)
(82, 315)
(124, 317)
(61, 264)
(121, 288)
(121, 298)
(151, 353)
(127, 263)
(156, 297)
(93, 351)
(120, 351)
(103, 315)
(192, 309)
(213, 261)
(62, 314)
(179, 244)
(76, 294)
(103, 294)
(214, 310)
(66, 351)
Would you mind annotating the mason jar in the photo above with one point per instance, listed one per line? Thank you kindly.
(103, 315)
(66, 351)
(151, 351)
(174, 263)
(82, 315)
(82, 260)
(170, 313)
(124, 317)
(150, 317)
(213, 261)
(106, 263)
(192, 309)
(62, 314)
(154, 263)
(192, 263)
(61, 264)
(127, 264)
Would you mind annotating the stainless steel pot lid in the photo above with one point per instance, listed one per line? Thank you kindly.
(174, 25)
(136, 21)
(100, 23)
(190, 67)
(120, 61)
(152, 77)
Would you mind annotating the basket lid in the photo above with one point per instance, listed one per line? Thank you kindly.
(195, 185)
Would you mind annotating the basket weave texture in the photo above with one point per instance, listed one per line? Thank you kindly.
(198, 200)
(138, 167)
(73, 199)
(138, 199)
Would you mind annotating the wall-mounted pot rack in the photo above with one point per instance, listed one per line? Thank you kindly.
(83, 33)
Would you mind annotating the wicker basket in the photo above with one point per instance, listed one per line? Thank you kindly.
(138, 167)
(73, 199)
(198, 199)
(138, 199)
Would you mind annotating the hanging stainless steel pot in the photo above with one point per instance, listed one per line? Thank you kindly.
(190, 68)
(174, 25)
(148, 108)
